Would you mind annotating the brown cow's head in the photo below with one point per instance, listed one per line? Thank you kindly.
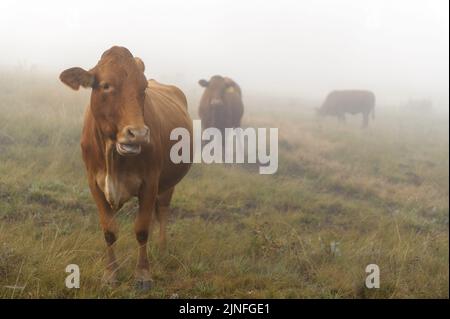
(215, 90)
(117, 100)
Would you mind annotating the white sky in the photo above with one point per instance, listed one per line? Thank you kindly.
(302, 48)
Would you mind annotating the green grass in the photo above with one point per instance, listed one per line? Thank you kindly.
(381, 194)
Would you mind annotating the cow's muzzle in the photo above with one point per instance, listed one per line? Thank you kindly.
(131, 140)
(216, 103)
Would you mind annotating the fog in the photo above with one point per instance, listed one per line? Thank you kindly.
(302, 49)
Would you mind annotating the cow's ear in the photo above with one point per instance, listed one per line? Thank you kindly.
(140, 64)
(203, 83)
(76, 77)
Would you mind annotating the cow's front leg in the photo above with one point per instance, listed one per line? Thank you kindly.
(110, 231)
(162, 213)
(143, 221)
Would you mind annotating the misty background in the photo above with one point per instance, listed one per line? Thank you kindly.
(298, 49)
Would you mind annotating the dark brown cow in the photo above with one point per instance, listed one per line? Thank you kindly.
(221, 104)
(338, 103)
(126, 144)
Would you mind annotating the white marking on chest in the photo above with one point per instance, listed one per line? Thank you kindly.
(111, 193)
(119, 189)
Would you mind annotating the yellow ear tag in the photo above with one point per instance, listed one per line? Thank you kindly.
(230, 89)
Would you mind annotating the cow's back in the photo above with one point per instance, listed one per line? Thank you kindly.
(349, 101)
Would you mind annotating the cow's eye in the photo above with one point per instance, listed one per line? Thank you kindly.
(105, 87)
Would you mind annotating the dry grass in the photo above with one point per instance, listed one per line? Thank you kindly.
(380, 194)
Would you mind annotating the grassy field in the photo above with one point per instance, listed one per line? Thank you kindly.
(380, 195)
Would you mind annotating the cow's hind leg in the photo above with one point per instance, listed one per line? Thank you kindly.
(162, 214)
(365, 120)
(142, 226)
(110, 231)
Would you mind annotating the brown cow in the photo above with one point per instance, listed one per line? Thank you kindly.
(126, 144)
(338, 103)
(221, 104)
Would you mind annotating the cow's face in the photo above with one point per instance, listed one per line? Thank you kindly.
(215, 90)
(117, 99)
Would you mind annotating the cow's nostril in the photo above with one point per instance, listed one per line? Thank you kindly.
(131, 133)
(136, 134)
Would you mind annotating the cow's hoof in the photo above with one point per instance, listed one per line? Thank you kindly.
(109, 279)
(143, 280)
(143, 285)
